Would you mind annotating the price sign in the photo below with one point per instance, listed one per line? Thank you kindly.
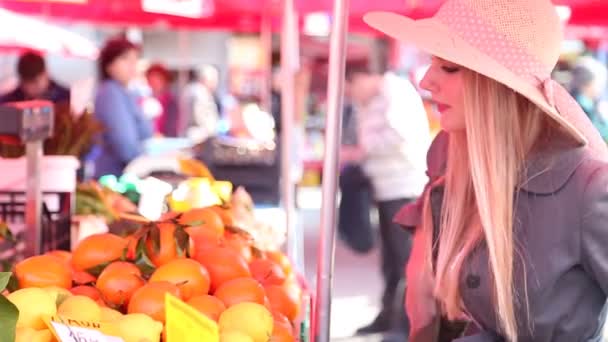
(186, 324)
(69, 330)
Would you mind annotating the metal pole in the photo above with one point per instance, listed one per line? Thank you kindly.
(266, 40)
(289, 57)
(33, 198)
(333, 132)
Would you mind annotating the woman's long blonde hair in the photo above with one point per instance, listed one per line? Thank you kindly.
(482, 175)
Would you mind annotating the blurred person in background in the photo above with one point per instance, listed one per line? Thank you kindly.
(198, 109)
(159, 80)
(116, 108)
(393, 138)
(35, 83)
(589, 80)
(211, 80)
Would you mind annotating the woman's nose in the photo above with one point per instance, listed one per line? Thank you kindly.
(428, 83)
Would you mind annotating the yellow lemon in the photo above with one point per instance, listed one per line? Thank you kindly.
(33, 304)
(32, 335)
(59, 294)
(234, 336)
(81, 308)
(109, 315)
(252, 319)
(138, 327)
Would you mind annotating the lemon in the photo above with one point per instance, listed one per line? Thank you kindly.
(33, 304)
(81, 308)
(109, 315)
(32, 335)
(138, 328)
(234, 336)
(59, 294)
(252, 319)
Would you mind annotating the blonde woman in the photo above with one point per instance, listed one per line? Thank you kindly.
(511, 235)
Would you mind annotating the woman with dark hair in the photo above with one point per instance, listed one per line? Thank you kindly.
(159, 80)
(116, 108)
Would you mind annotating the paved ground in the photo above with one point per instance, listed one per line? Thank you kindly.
(357, 282)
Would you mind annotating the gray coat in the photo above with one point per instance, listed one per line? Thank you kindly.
(561, 230)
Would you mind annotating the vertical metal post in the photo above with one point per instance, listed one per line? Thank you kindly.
(289, 65)
(333, 132)
(266, 42)
(33, 198)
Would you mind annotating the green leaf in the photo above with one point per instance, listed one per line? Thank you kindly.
(196, 223)
(96, 271)
(13, 284)
(9, 314)
(4, 279)
(142, 261)
(154, 236)
(182, 241)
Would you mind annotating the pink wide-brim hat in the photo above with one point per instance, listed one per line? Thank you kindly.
(515, 42)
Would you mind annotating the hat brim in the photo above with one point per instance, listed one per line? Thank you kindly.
(433, 37)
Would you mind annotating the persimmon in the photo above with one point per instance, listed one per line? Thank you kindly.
(118, 282)
(223, 265)
(202, 221)
(97, 250)
(43, 271)
(150, 299)
(281, 259)
(267, 272)
(284, 299)
(208, 305)
(225, 214)
(240, 244)
(240, 290)
(86, 290)
(189, 275)
(167, 249)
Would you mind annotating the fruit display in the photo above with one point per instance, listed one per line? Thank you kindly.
(121, 282)
(95, 199)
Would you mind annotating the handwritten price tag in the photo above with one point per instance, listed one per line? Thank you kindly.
(186, 324)
(78, 331)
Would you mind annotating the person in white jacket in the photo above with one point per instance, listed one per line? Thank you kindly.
(394, 136)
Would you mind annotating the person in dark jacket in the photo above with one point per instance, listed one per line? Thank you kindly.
(116, 108)
(35, 83)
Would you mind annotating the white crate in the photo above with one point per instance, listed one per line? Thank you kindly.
(58, 174)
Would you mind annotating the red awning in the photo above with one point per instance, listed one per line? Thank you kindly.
(245, 15)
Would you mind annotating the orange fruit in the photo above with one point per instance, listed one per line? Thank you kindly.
(241, 290)
(202, 220)
(188, 274)
(267, 272)
(86, 290)
(282, 330)
(284, 299)
(118, 282)
(209, 306)
(223, 265)
(150, 299)
(225, 214)
(167, 250)
(82, 277)
(63, 255)
(239, 244)
(43, 271)
(96, 250)
(282, 260)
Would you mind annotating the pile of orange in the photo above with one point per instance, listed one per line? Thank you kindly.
(197, 256)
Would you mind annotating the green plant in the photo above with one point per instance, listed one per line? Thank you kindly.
(9, 314)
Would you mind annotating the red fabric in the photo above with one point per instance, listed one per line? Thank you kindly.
(245, 15)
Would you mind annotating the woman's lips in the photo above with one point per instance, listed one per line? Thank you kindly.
(441, 107)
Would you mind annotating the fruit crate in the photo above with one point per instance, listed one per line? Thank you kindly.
(56, 222)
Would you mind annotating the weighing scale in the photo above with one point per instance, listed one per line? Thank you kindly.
(29, 123)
